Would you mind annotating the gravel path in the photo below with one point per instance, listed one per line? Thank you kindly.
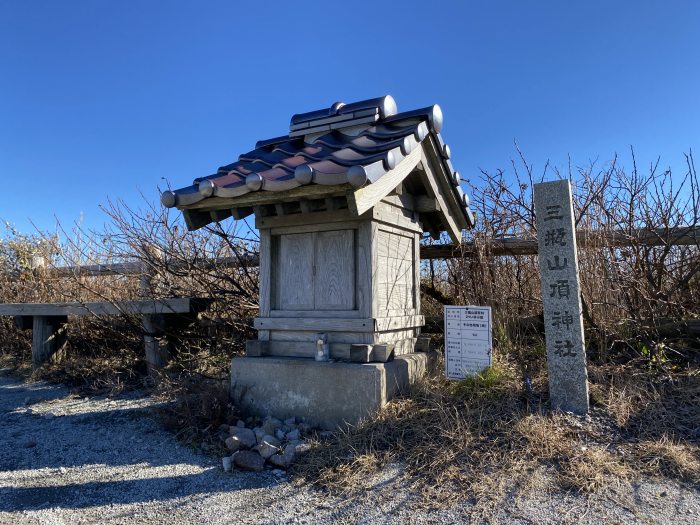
(72, 460)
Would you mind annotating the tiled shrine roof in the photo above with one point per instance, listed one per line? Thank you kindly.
(355, 144)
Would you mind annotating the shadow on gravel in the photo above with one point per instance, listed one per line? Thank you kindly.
(14, 393)
(91, 494)
(107, 447)
(35, 441)
(32, 439)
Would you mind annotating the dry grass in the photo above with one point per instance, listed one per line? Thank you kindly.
(669, 458)
(194, 408)
(94, 375)
(647, 404)
(591, 469)
(465, 440)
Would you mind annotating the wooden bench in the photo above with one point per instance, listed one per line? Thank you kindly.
(47, 322)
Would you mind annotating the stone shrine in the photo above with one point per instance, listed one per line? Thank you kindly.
(341, 203)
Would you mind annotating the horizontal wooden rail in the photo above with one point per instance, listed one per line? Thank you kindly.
(137, 267)
(535, 324)
(126, 268)
(680, 236)
(138, 307)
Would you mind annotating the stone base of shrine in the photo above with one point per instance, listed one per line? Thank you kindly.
(323, 394)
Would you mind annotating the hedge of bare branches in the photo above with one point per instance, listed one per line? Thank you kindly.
(173, 263)
(637, 299)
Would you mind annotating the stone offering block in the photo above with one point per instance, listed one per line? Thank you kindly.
(326, 395)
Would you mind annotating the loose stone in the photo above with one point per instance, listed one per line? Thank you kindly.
(248, 460)
(233, 443)
(294, 434)
(285, 459)
(272, 440)
(268, 446)
(279, 460)
(301, 448)
(226, 462)
(266, 450)
(245, 435)
(259, 434)
(279, 434)
(271, 424)
(291, 450)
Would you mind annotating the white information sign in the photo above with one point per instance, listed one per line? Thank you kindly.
(467, 340)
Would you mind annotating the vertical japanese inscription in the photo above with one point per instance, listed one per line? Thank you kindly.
(561, 295)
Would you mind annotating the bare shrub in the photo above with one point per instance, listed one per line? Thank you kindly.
(161, 259)
(639, 288)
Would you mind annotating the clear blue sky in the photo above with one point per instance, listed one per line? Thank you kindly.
(112, 99)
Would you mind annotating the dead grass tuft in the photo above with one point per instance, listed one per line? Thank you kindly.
(590, 469)
(486, 438)
(97, 375)
(194, 409)
(647, 404)
(101, 357)
(545, 436)
(669, 458)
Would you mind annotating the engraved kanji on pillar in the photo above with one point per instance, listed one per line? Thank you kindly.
(561, 295)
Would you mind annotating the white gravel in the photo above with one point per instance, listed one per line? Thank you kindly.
(72, 460)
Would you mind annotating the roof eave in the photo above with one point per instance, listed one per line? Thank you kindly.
(454, 217)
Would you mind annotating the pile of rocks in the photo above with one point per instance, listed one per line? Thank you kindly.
(273, 441)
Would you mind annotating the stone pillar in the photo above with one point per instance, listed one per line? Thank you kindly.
(561, 295)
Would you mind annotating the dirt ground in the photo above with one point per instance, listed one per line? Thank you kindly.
(68, 459)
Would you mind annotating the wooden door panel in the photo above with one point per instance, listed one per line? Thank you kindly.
(295, 272)
(335, 270)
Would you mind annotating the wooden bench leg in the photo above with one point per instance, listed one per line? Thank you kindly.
(48, 339)
(155, 344)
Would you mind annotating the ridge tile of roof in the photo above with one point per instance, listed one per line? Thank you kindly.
(348, 143)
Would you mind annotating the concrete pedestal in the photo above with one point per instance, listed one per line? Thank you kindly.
(324, 394)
